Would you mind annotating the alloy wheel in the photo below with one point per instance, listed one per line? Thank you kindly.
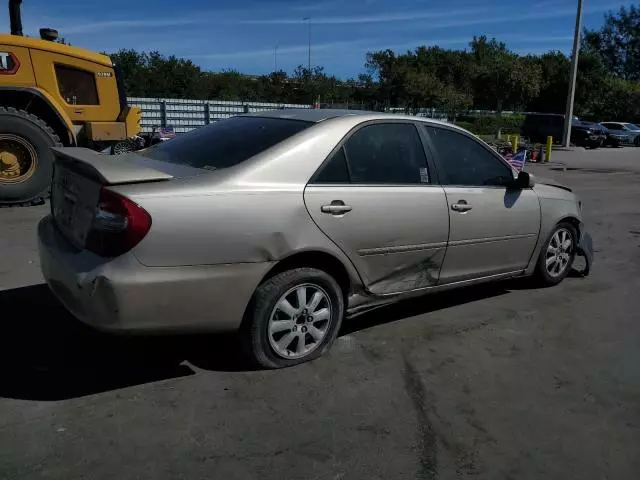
(559, 252)
(300, 321)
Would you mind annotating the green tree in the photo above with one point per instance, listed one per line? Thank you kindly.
(453, 101)
(618, 42)
(501, 78)
(135, 70)
(486, 76)
(554, 83)
(154, 75)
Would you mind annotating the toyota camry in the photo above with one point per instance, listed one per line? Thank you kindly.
(280, 225)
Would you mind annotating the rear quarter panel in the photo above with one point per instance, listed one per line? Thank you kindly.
(233, 226)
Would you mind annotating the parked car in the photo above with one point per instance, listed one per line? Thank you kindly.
(614, 138)
(281, 224)
(629, 129)
(588, 134)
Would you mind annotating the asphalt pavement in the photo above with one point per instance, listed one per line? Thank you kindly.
(494, 382)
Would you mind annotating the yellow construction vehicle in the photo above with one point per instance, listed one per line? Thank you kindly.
(53, 94)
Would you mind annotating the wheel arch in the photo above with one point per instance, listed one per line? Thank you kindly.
(40, 104)
(569, 218)
(321, 260)
(573, 221)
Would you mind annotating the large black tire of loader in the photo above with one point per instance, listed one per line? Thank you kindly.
(41, 137)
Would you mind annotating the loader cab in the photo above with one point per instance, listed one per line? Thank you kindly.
(66, 95)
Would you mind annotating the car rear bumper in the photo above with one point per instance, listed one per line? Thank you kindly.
(123, 295)
(619, 140)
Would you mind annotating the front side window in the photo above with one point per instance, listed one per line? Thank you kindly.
(77, 87)
(386, 153)
(465, 161)
(225, 143)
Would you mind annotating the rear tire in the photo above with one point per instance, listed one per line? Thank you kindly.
(280, 330)
(557, 255)
(26, 159)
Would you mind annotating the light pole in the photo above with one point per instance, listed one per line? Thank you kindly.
(275, 59)
(308, 19)
(568, 116)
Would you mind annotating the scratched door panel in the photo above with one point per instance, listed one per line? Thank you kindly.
(395, 235)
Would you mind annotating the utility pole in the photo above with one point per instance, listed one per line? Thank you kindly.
(308, 19)
(568, 116)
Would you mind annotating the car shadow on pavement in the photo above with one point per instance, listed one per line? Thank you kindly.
(47, 355)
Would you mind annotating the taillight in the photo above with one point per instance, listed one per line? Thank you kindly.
(118, 225)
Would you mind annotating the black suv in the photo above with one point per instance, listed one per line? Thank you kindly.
(588, 134)
(538, 126)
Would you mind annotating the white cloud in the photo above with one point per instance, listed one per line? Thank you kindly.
(512, 18)
(91, 27)
(327, 50)
(281, 50)
(373, 18)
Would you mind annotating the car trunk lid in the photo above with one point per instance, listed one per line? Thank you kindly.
(79, 175)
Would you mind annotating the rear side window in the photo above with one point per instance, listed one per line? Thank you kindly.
(77, 87)
(335, 171)
(225, 143)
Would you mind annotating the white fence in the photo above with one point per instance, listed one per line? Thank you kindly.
(185, 115)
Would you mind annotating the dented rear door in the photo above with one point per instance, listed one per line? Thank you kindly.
(374, 198)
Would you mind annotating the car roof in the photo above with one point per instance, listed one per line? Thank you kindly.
(319, 115)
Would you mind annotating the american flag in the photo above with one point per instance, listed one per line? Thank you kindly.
(517, 160)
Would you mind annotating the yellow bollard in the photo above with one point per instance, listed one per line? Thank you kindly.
(508, 138)
(514, 143)
(548, 152)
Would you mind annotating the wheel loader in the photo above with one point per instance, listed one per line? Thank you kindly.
(52, 94)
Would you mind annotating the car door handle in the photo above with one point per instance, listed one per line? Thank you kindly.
(461, 207)
(336, 208)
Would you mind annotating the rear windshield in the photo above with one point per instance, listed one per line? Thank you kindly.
(225, 143)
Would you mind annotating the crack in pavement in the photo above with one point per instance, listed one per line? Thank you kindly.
(427, 436)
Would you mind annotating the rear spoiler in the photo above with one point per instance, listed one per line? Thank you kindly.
(108, 169)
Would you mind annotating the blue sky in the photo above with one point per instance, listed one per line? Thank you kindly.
(243, 34)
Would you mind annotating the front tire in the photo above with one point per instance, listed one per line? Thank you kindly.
(26, 159)
(557, 255)
(294, 317)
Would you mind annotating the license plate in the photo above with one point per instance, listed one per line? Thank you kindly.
(73, 198)
(64, 196)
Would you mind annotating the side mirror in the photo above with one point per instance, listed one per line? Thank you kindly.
(525, 180)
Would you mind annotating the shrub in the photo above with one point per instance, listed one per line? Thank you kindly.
(490, 124)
